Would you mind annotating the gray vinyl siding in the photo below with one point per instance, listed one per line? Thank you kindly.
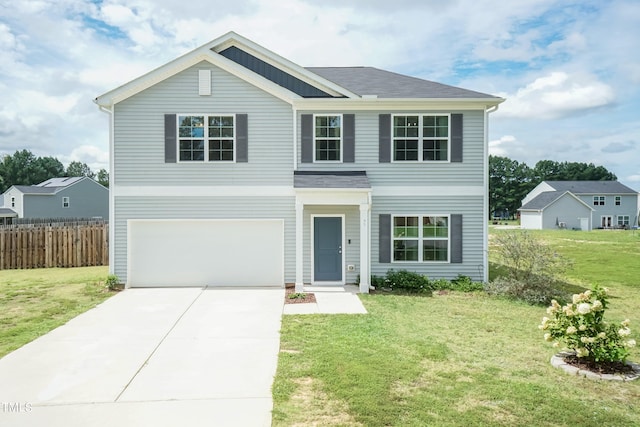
(568, 210)
(472, 233)
(467, 173)
(628, 206)
(352, 232)
(204, 208)
(140, 143)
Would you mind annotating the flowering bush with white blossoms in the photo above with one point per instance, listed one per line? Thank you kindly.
(580, 325)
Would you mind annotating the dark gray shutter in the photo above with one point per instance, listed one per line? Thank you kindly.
(170, 135)
(384, 239)
(242, 138)
(384, 146)
(349, 138)
(306, 128)
(456, 239)
(456, 137)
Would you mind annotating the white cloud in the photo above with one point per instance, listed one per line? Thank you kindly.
(557, 94)
(93, 156)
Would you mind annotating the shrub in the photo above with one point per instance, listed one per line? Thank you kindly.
(580, 325)
(531, 269)
(407, 280)
(112, 282)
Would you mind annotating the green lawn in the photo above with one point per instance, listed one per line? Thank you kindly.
(457, 359)
(33, 302)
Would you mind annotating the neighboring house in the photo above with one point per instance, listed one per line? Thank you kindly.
(233, 166)
(580, 205)
(73, 197)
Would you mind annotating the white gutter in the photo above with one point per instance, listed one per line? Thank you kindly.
(485, 201)
(112, 228)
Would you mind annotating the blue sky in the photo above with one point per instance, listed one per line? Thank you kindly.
(570, 70)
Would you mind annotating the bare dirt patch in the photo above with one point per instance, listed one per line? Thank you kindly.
(293, 297)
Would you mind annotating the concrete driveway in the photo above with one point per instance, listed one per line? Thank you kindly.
(161, 357)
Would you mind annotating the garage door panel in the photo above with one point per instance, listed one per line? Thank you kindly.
(206, 253)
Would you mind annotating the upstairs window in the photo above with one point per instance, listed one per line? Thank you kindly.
(65, 202)
(13, 202)
(421, 138)
(617, 200)
(328, 138)
(598, 200)
(206, 138)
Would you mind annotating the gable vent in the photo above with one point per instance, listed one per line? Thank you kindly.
(204, 82)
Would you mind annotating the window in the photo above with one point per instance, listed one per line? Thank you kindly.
(13, 202)
(623, 220)
(617, 200)
(421, 238)
(421, 138)
(328, 138)
(65, 202)
(598, 200)
(206, 138)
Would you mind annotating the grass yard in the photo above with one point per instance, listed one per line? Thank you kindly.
(458, 359)
(33, 302)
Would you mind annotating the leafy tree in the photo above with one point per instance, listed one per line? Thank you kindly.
(548, 170)
(509, 183)
(103, 177)
(79, 169)
(24, 168)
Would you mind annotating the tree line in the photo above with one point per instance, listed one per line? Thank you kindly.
(510, 180)
(24, 168)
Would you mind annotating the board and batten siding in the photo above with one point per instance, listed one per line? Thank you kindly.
(351, 232)
(471, 209)
(204, 208)
(139, 132)
(469, 172)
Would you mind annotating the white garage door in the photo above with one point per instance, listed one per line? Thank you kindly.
(205, 253)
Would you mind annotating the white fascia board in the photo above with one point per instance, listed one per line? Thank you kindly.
(272, 58)
(178, 65)
(396, 104)
(332, 196)
(201, 191)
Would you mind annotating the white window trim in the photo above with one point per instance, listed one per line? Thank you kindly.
(206, 139)
(421, 138)
(66, 201)
(13, 201)
(341, 138)
(628, 218)
(421, 239)
(617, 200)
(597, 199)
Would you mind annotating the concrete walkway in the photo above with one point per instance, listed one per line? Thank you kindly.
(329, 300)
(161, 357)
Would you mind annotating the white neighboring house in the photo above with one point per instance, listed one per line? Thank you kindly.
(233, 166)
(580, 205)
(66, 197)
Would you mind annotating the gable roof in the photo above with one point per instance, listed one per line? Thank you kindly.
(591, 187)
(291, 82)
(546, 199)
(52, 185)
(386, 84)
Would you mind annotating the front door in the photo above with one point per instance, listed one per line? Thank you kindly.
(327, 249)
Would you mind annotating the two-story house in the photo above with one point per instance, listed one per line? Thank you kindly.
(233, 166)
(65, 197)
(580, 205)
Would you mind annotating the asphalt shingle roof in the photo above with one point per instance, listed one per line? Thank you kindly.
(542, 200)
(386, 84)
(338, 179)
(591, 187)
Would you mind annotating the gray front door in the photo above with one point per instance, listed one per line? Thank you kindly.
(327, 249)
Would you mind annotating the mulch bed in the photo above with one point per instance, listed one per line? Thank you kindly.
(305, 297)
(617, 368)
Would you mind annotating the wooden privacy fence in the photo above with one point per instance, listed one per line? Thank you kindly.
(54, 245)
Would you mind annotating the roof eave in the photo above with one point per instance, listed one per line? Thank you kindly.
(368, 102)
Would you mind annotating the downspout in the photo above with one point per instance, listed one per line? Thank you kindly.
(485, 201)
(295, 133)
(112, 231)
